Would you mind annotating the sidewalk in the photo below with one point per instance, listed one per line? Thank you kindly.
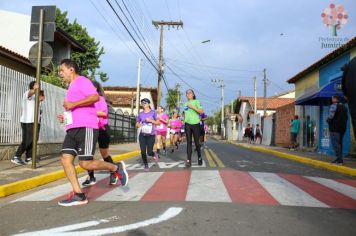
(50, 169)
(310, 158)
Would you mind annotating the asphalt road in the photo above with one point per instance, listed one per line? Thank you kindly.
(236, 192)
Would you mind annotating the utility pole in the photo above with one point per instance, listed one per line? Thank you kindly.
(138, 87)
(161, 24)
(178, 96)
(222, 105)
(239, 94)
(264, 93)
(255, 92)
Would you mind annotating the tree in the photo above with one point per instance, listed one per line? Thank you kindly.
(172, 98)
(52, 77)
(334, 17)
(88, 61)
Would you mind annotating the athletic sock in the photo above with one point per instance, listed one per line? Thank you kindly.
(108, 159)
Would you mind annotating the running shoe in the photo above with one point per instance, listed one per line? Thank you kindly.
(121, 173)
(74, 199)
(113, 179)
(89, 182)
(146, 169)
(188, 164)
(17, 161)
(155, 157)
(28, 160)
(200, 161)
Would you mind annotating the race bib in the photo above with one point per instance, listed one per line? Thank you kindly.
(182, 130)
(160, 127)
(146, 129)
(68, 119)
(173, 131)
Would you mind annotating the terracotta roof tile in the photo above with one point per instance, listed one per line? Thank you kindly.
(272, 103)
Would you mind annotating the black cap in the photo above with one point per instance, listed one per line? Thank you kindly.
(146, 100)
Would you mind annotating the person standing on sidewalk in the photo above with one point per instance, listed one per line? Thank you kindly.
(247, 133)
(161, 130)
(294, 130)
(337, 120)
(192, 109)
(349, 89)
(27, 123)
(258, 134)
(81, 124)
(104, 138)
(147, 120)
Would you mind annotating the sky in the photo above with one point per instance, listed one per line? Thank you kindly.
(281, 36)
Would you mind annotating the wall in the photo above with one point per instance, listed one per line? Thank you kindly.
(283, 116)
(309, 82)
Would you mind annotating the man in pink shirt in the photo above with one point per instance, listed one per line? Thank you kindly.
(81, 124)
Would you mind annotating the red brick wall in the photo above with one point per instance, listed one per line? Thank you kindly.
(283, 118)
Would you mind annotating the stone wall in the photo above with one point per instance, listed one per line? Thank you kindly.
(283, 119)
(8, 151)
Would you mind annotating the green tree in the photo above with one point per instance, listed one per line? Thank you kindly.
(89, 61)
(52, 77)
(172, 97)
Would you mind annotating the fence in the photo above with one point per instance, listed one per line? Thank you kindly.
(13, 84)
(12, 87)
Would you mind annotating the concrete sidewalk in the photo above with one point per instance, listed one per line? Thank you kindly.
(310, 158)
(15, 178)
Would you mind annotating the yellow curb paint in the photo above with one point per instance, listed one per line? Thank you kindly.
(23, 185)
(209, 158)
(305, 160)
(216, 158)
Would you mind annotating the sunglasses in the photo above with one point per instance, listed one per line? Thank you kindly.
(144, 103)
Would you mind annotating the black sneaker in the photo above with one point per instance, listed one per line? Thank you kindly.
(200, 161)
(89, 182)
(188, 164)
(113, 178)
(74, 199)
(17, 161)
(28, 160)
(122, 173)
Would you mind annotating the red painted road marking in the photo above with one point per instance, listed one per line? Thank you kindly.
(243, 188)
(171, 186)
(324, 194)
(97, 190)
(349, 182)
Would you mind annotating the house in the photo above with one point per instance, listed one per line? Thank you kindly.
(314, 87)
(17, 62)
(124, 98)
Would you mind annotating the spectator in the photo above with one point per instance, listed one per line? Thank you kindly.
(337, 119)
(258, 134)
(310, 132)
(349, 89)
(294, 130)
(247, 133)
(27, 123)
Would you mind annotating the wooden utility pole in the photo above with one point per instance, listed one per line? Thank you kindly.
(161, 24)
(178, 96)
(264, 93)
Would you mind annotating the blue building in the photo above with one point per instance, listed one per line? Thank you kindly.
(314, 87)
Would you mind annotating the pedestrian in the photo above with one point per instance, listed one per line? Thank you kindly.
(175, 125)
(349, 89)
(310, 132)
(104, 137)
(337, 119)
(247, 133)
(192, 109)
(294, 130)
(81, 125)
(203, 118)
(147, 120)
(161, 130)
(27, 123)
(252, 134)
(258, 134)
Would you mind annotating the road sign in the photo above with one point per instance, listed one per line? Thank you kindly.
(47, 54)
(49, 26)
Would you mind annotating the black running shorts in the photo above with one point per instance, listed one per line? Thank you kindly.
(104, 137)
(81, 142)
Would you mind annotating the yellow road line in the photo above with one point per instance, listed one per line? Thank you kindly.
(209, 158)
(216, 158)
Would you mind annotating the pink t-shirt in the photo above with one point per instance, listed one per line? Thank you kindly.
(101, 105)
(80, 117)
(163, 118)
(175, 124)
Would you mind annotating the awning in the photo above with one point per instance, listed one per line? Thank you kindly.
(321, 95)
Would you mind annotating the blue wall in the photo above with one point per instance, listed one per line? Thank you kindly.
(331, 71)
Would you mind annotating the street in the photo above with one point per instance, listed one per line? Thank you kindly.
(235, 192)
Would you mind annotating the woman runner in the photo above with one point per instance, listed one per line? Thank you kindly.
(175, 126)
(161, 130)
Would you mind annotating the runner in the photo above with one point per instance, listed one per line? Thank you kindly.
(104, 137)
(161, 130)
(203, 117)
(206, 130)
(175, 127)
(192, 110)
(81, 124)
(147, 120)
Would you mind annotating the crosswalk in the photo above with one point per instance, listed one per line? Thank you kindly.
(199, 185)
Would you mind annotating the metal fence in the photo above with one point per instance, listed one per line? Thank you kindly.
(13, 84)
(122, 127)
(12, 87)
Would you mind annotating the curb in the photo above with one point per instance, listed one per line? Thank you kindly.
(23, 185)
(305, 160)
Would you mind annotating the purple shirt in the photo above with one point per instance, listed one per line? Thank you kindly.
(142, 119)
(84, 116)
(202, 116)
